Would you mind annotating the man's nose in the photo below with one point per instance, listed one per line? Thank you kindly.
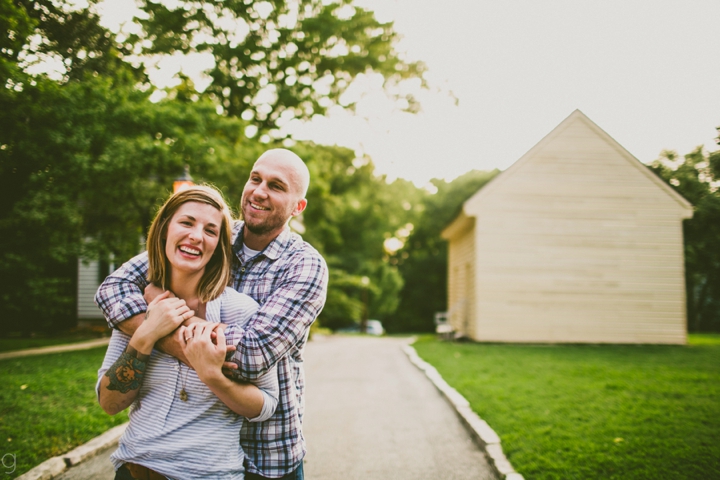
(261, 190)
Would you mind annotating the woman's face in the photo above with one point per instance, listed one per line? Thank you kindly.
(192, 236)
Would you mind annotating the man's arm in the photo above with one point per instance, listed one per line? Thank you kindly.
(207, 352)
(120, 297)
(283, 321)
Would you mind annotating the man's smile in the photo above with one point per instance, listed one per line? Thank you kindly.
(258, 207)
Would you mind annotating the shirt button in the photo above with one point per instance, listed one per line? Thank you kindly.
(242, 269)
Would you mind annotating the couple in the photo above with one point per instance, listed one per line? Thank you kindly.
(185, 423)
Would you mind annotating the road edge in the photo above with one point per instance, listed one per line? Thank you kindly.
(55, 466)
(483, 435)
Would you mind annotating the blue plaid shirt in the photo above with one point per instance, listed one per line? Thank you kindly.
(289, 280)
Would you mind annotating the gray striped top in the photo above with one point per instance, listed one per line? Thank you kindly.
(198, 438)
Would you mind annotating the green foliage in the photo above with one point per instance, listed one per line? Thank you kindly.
(83, 167)
(423, 260)
(350, 214)
(696, 177)
(600, 411)
(48, 405)
(272, 57)
(85, 157)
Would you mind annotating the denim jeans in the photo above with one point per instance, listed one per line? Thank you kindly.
(296, 475)
(123, 473)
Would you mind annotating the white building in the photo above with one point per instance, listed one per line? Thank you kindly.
(576, 242)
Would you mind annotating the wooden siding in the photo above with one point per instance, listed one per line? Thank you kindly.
(87, 286)
(576, 243)
(461, 281)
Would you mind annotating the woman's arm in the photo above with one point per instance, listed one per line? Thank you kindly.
(205, 348)
(122, 381)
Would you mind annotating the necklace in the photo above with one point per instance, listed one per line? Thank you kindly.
(183, 394)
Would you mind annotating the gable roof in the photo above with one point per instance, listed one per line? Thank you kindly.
(576, 116)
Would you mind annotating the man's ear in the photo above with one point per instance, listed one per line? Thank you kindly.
(299, 207)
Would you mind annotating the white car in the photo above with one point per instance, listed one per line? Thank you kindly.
(374, 327)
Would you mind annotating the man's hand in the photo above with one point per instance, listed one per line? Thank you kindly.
(229, 367)
(152, 291)
(172, 345)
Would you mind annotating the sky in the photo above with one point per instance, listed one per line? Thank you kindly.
(645, 72)
(504, 73)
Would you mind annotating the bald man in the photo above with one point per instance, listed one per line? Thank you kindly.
(286, 276)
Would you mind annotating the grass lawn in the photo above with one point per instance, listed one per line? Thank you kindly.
(48, 406)
(594, 411)
(16, 342)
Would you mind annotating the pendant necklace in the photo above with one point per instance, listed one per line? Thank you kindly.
(183, 394)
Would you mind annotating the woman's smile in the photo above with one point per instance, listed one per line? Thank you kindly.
(192, 236)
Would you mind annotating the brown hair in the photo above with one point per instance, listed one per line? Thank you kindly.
(217, 271)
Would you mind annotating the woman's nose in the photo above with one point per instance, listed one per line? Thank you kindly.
(195, 234)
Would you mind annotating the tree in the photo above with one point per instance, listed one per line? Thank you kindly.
(696, 177)
(83, 166)
(423, 259)
(85, 157)
(351, 212)
(275, 59)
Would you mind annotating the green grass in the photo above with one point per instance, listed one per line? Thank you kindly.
(48, 406)
(594, 411)
(704, 339)
(16, 342)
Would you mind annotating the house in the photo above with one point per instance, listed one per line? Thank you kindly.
(91, 274)
(576, 242)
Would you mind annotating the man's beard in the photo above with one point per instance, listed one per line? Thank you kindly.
(265, 227)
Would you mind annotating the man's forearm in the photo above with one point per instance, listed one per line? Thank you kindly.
(170, 344)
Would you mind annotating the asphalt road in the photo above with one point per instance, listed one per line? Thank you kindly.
(370, 414)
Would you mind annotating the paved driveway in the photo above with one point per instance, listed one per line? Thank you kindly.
(370, 414)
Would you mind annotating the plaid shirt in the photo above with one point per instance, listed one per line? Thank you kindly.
(289, 281)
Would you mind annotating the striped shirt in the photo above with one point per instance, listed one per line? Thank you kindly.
(189, 439)
(289, 280)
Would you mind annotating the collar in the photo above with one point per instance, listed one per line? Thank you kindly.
(274, 249)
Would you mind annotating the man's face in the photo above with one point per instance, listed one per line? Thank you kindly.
(270, 197)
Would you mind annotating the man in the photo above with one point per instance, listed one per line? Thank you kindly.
(286, 276)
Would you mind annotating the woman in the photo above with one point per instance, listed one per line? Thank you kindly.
(184, 423)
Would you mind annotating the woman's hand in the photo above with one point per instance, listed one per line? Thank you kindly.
(163, 316)
(204, 347)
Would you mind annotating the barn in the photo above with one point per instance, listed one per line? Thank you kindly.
(576, 242)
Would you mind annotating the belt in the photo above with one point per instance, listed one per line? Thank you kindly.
(143, 473)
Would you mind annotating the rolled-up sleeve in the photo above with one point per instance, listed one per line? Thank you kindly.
(282, 321)
(120, 296)
(270, 389)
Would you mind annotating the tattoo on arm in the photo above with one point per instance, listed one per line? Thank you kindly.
(128, 372)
